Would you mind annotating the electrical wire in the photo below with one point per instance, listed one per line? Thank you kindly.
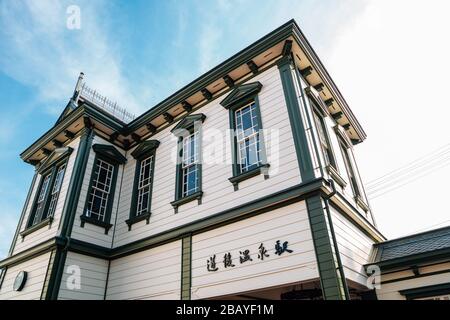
(407, 169)
(437, 163)
(373, 195)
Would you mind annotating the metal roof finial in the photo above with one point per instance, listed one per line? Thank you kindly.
(77, 90)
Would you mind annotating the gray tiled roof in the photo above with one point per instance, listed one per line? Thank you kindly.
(414, 244)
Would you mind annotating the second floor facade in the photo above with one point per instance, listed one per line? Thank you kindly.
(261, 125)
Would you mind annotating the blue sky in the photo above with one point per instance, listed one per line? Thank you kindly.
(139, 52)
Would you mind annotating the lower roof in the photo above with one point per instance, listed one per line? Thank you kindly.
(413, 248)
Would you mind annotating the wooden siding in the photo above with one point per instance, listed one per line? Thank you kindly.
(46, 233)
(93, 273)
(354, 247)
(151, 274)
(37, 269)
(289, 223)
(93, 233)
(430, 275)
(218, 194)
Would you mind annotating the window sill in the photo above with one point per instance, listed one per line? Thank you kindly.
(249, 174)
(95, 222)
(136, 219)
(336, 176)
(360, 202)
(195, 196)
(46, 222)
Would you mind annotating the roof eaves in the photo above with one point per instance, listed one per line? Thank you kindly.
(84, 110)
(219, 71)
(319, 66)
(411, 260)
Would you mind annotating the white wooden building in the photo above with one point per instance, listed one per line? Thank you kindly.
(174, 205)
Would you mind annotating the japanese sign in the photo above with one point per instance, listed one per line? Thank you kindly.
(245, 256)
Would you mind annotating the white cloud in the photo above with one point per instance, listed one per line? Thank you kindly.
(41, 52)
(389, 58)
(391, 63)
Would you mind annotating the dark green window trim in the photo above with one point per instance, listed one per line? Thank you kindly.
(135, 219)
(239, 97)
(45, 222)
(188, 125)
(261, 169)
(109, 153)
(349, 167)
(49, 167)
(143, 151)
(320, 114)
(195, 196)
(55, 157)
(425, 292)
(84, 219)
(112, 156)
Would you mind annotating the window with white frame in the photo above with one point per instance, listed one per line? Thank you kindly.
(190, 164)
(324, 141)
(55, 190)
(188, 178)
(350, 170)
(40, 203)
(100, 190)
(144, 185)
(46, 197)
(247, 137)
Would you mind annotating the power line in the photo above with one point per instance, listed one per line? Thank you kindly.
(423, 161)
(447, 145)
(410, 170)
(407, 182)
(410, 174)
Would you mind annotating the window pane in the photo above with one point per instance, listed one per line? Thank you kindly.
(145, 180)
(189, 166)
(55, 190)
(320, 129)
(99, 193)
(247, 133)
(350, 171)
(326, 148)
(190, 149)
(40, 205)
(190, 180)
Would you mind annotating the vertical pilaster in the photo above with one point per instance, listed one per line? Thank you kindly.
(285, 66)
(186, 264)
(332, 279)
(68, 213)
